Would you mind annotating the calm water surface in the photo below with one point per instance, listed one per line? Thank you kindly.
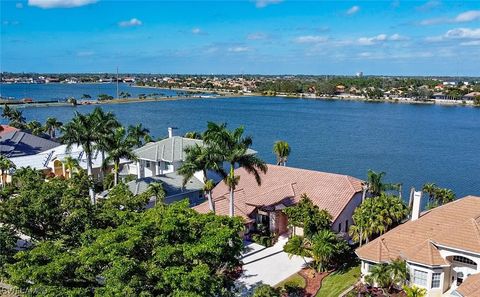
(414, 144)
(57, 91)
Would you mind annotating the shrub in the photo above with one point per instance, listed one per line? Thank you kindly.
(265, 291)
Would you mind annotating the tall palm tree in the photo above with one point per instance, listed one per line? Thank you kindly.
(380, 275)
(106, 123)
(282, 150)
(35, 127)
(201, 158)
(137, 133)
(375, 182)
(6, 111)
(81, 131)
(52, 125)
(233, 147)
(5, 166)
(324, 246)
(156, 189)
(120, 146)
(17, 119)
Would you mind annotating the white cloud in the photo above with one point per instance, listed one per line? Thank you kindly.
(353, 10)
(398, 37)
(12, 23)
(19, 5)
(470, 43)
(238, 49)
(372, 40)
(264, 3)
(130, 23)
(59, 3)
(468, 16)
(381, 38)
(311, 39)
(463, 33)
(464, 17)
(196, 31)
(256, 36)
(457, 34)
(429, 5)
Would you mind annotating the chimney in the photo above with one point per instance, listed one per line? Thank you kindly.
(170, 132)
(417, 198)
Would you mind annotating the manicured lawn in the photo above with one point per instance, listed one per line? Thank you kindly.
(296, 279)
(334, 284)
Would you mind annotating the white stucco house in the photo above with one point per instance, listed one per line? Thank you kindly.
(441, 248)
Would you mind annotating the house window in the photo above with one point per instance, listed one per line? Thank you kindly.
(346, 226)
(464, 260)
(420, 277)
(147, 164)
(436, 280)
(339, 227)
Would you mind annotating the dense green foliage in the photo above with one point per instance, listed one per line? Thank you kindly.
(388, 275)
(377, 215)
(437, 196)
(308, 216)
(114, 247)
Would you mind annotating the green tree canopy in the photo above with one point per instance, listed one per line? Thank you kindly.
(308, 216)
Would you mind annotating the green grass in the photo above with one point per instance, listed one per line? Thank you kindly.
(337, 282)
(296, 279)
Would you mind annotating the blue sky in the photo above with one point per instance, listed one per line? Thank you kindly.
(265, 36)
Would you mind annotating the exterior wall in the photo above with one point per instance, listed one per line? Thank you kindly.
(431, 292)
(345, 217)
(456, 267)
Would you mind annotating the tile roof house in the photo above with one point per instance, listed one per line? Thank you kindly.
(282, 187)
(19, 143)
(441, 248)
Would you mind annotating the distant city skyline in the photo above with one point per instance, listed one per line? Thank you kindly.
(431, 38)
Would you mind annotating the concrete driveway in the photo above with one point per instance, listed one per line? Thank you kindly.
(267, 265)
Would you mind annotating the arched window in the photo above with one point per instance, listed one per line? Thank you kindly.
(464, 260)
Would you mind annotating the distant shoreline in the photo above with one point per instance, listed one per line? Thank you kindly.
(228, 94)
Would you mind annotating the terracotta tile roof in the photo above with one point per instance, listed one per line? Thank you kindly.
(470, 287)
(8, 129)
(426, 253)
(447, 225)
(286, 185)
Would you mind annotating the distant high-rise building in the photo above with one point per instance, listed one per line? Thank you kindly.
(359, 74)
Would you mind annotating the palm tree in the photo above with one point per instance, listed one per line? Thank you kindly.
(86, 96)
(398, 271)
(35, 127)
(106, 123)
(52, 125)
(282, 150)
(81, 131)
(71, 165)
(137, 133)
(380, 275)
(201, 158)
(17, 119)
(324, 247)
(5, 166)
(119, 147)
(7, 111)
(156, 189)
(193, 135)
(415, 291)
(233, 147)
(375, 182)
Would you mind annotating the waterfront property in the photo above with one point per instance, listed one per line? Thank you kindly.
(441, 248)
(162, 157)
(282, 187)
(53, 161)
